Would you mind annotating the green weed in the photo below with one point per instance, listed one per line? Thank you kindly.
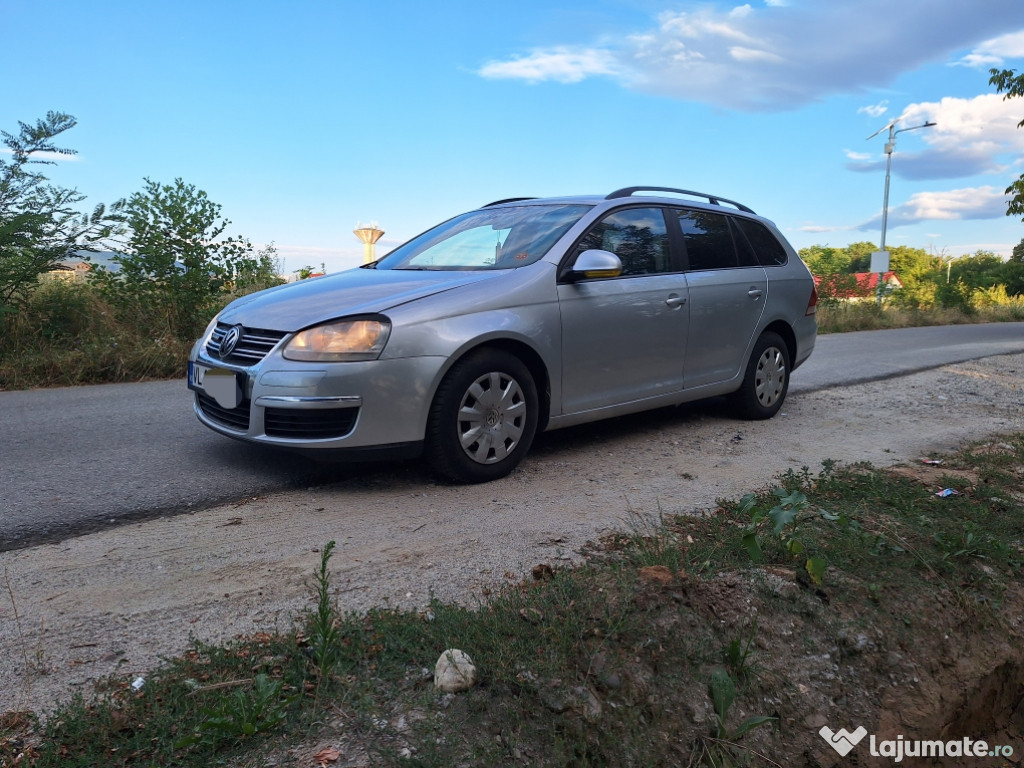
(724, 750)
(782, 522)
(243, 714)
(324, 636)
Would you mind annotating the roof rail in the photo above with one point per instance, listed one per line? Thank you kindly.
(713, 199)
(508, 200)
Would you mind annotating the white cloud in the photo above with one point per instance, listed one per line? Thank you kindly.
(970, 137)
(814, 228)
(994, 52)
(875, 110)
(953, 205)
(563, 65)
(48, 157)
(861, 157)
(984, 122)
(742, 54)
(774, 57)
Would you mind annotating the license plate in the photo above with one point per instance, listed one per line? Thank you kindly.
(219, 383)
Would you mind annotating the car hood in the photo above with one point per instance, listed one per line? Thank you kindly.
(354, 292)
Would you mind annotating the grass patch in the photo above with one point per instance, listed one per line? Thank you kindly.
(842, 316)
(676, 643)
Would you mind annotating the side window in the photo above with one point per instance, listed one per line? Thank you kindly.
(769, 250)
(708, 240)
(743, 249)
(638, 236)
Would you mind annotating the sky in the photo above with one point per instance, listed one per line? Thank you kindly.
(305, 120)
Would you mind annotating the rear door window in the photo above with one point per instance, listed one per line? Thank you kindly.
(708, 239)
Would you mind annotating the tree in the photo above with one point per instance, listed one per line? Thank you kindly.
(981, 270)
(824, 260)
(1009, 82)
(175, 263)
(39, 222)
(265, 272)
(1013, 271)
(860, 255)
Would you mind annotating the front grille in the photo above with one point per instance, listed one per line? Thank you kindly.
(318, 424)
(252, 347)
(233, 418)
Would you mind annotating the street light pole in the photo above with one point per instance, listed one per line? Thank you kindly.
(882, 264)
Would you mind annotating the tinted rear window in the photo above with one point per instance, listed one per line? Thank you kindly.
(708, 240)
(770, 252)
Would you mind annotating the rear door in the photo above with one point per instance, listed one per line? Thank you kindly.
(623, 338)
(727, 293)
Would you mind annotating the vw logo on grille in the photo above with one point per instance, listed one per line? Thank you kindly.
(230, 341)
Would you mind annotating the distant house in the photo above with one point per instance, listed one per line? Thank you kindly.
(70, 269)
(76, 267)
(860, 286)
(83, 262)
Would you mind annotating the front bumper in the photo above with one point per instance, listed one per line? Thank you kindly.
(323, 407)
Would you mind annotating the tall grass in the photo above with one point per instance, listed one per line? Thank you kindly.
(69, 333)
(842, 317)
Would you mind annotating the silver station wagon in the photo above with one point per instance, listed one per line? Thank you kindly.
(522, 316)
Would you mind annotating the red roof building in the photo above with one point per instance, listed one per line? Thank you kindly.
(855, 287)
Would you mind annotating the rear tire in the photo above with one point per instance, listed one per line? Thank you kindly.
(766, 380)
(483, 418)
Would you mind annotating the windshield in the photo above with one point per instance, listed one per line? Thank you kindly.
(490, 238)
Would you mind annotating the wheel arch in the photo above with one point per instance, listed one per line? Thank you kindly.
(529, 357)
(785, 332)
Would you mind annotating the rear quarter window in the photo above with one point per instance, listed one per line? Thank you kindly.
(770, 252)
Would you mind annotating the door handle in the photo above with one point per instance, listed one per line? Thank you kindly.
(675, 300)
(755, 293)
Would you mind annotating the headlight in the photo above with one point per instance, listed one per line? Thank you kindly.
(339, 341)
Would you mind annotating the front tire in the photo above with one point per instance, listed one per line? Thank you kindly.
(766, 380)
(483, 418)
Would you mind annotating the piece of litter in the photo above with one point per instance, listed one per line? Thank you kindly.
(138, 683)
(931, 461)
(947, 492)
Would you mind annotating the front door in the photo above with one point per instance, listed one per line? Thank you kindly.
(623, 338)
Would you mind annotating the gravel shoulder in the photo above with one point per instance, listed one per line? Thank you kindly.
(116, 602)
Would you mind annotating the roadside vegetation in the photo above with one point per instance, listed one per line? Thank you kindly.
(728, 638)
(932, 289)
(171, 266)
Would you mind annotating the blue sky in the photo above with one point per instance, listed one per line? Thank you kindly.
(304, 119)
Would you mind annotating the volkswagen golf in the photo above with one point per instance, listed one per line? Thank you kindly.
(522, 316)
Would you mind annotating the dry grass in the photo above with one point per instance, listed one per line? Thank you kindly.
(68, 333)
(841, 317)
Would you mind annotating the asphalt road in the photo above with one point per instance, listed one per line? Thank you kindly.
(78, 459)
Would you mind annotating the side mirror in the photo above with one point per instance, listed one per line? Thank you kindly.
(595, 263)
